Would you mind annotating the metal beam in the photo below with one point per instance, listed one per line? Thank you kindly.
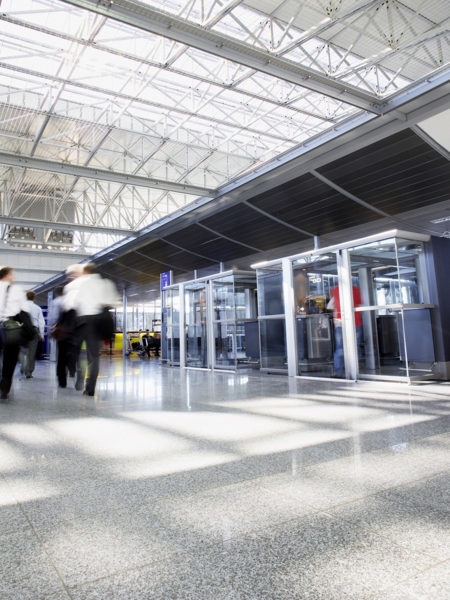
(17, 221)
(273, 218)
(174, 28)
(15, 160)
(420, 88)
(107, 93)
(225, 237)
(430, 141)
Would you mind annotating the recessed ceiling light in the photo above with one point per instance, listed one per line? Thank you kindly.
(441, 220)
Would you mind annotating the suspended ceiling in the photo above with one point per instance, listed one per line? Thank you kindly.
(118, 117)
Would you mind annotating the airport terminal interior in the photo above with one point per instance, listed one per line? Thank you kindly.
(267, 184)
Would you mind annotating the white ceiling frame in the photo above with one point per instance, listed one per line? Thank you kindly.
(97, 174)
(227, 8)
(123, 186)
(328, 24)
(218, 44)
(127, 97)
(166, 67)
(417, 43)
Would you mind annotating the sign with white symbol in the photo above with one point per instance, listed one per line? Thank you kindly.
(166, 279)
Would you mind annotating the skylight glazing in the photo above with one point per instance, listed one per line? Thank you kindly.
(82, 89)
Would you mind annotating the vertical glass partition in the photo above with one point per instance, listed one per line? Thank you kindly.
(172, 299)
(395, 320)
(234, 321)
(320, 349)
(272, 321)
(195, 295)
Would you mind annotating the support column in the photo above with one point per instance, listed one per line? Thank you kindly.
(289, 311)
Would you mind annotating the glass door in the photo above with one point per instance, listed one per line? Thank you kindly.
(224, 322)
(393, 321)
(234, 320)
(272, 319)
(195, 295)
(318, 320)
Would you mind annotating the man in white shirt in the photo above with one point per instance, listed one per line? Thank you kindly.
(88, 295)
(28, 353)
(12, 302)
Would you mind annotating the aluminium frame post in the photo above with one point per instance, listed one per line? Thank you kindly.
(182, 325)
(289, 312)
(348, 320)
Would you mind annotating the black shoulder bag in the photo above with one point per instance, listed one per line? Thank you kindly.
(16, 331)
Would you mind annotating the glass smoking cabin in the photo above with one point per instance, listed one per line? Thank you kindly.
(356, 310)
(218, 315)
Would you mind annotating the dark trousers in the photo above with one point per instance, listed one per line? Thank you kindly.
(86, 332)
(27, 355)
(10, 356)
(67, 359)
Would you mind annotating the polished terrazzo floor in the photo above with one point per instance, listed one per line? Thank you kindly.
(196, 486)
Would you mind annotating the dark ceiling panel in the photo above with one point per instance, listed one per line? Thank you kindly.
(173, 257)
(397, 174)
(250, 227)
(419, 186)
(391, 150)
(192, 238)
(313, 206)
(208, 243)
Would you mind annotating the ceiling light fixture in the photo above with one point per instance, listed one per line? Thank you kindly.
(441, 220)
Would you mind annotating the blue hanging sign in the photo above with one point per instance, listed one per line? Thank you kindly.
(166, 279)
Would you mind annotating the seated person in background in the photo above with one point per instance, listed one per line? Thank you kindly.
(147, 342)
(157, 343)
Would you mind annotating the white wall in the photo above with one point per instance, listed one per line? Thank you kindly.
(35, 266)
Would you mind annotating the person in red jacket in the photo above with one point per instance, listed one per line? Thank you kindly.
(335, 305)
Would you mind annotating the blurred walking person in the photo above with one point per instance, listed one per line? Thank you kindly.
(13, 307)
(27, 353)
(90, 296)
(63, 333)
(62, 323)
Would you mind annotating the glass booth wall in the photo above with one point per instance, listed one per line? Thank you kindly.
(393, 315)
(172, 299)
(315, 282)
(195, 296)
(235, 326)
(272, 321)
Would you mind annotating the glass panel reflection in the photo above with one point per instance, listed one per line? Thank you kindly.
(411, 270)
(388, 273)
(273, 344)
(235, 298)
(225, 345)
(223, 298)
(320, 347)
(245, 296)
(173, 326)
(270, 291)
(196, 342)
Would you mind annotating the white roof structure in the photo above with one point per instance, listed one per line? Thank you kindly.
(115, 114)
